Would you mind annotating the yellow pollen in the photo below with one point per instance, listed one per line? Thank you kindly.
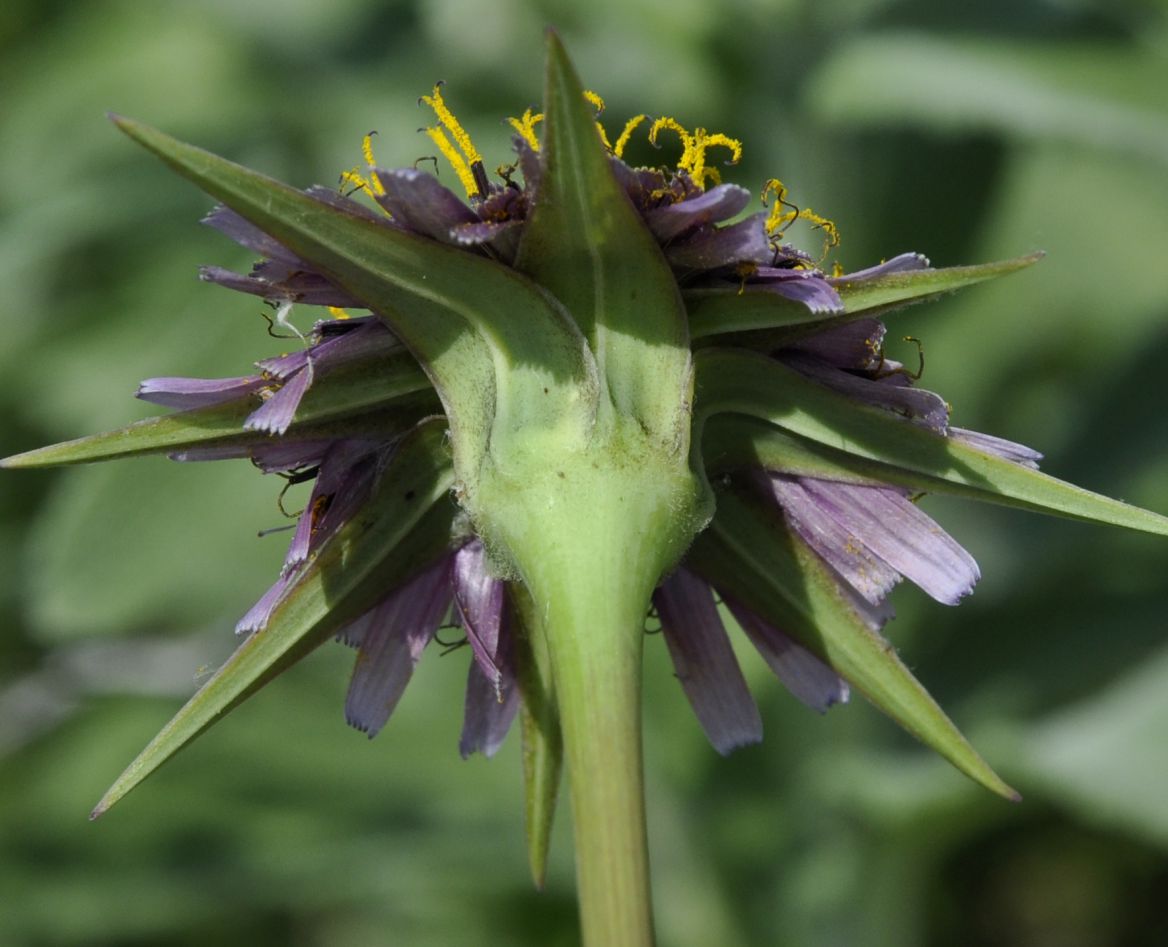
(457, 161)
(337, 313)
(630, 126)
(693, 149)
(357, 180)
(525, 126)
(596, 101)
(831, 237)
(783, 214)
(462, 158)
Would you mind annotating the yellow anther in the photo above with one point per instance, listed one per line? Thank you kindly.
(702, 141)
(673, 125)
(525, 126)
(630, 126)
(447, 120)
(359, 183)
(463, 158)
(596, 101)
(837, 269)
(783, 214)
(457, 161)
(372, 185)
(694, 146)
(338, 313)
(831, 237)
(603, 137)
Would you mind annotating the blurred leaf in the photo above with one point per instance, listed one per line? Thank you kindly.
(152, 545)
(1106, 97)
(1106, 756)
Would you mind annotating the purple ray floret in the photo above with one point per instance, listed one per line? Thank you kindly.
(478, 599)
(704, 662)
(873, 535)
(998, 446)
(419, 203)
(187, 393)
(803, 286)
(902, 263)
(716, 247)
(392, 638)
(801, 672)
(717, 204)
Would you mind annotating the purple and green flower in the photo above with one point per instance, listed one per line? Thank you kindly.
(581, 394)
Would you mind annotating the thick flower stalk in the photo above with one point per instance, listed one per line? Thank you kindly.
(585, 392)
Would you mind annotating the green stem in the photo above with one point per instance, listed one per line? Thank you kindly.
(594, 631)
(590, 532)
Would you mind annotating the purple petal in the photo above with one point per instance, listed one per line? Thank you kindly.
(714, 247)
(528, 166)
(644, 186)
(998, 446)
(247, 234)
(368, 340)
(801, 672)
(280, 282)
(327, 195)
(491, 702)
(803, 286)
(478, 597)
(341, 487)
(391, 645)
(853, 346)
(828, 535)
(705, 662)
(275, 415)
(197, 392)
(257, 616)
(891, 392)
(501, 235)
(284, 367)
(287, 455)
(871, 534)
(717, 204)
(903, 263)
(487, 715)
(419, 203)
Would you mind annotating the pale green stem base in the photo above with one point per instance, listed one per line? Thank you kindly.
(591, 533)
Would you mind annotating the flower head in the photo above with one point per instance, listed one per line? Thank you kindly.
(868, 534)
(582, 390)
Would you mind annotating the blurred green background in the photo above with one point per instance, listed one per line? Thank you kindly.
(966, 132)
